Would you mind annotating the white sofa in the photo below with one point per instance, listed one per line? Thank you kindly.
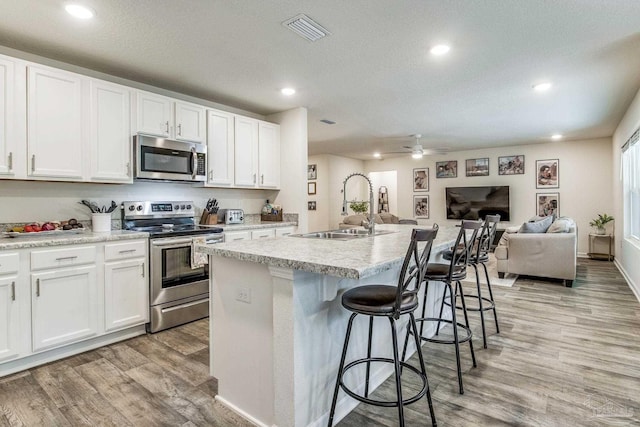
(550, 254)
(353, 221)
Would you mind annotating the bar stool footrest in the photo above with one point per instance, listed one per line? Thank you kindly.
(491, 305)
(467, 334)
(384, 403)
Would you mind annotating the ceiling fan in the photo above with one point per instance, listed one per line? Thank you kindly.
(417, 150)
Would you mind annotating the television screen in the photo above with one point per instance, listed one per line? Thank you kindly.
(477, 202)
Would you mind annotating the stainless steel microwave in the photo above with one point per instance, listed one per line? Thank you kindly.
(169, 160)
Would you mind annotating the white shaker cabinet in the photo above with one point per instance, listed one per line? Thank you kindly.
(269, 155)
(10, 301)
(220, 147)
(126, 287)
(55, 124)
(110, 132)
(246, 152)
(64, 305)
(168, 118)
(12, 154)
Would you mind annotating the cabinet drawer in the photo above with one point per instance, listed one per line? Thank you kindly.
(132, 249)
(263, 234)
(9, 263)
(53, 258)
(237, 235)
(284, 231)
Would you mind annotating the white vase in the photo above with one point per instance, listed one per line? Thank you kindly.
(601, 230)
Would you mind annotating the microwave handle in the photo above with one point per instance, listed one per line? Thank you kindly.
(194, 163)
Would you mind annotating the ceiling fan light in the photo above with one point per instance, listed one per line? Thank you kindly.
(416, 155)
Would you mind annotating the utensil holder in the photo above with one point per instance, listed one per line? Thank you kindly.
(101, 222)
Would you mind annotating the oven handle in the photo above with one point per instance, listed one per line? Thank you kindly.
(171, 242)
(181, 306)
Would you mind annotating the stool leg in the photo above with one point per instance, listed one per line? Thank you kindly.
(444, 296)
(396, 361)
(455, 336)
(484, 334)
(366, 384)
(495, 313)
(423, 368)
(339, 379)
(466, 321)
(424, 306)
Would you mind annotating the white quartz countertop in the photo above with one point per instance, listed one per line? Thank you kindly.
(356, 258)
(33, 240)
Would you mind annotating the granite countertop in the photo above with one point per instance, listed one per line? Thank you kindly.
(356, 259)
(33, 240)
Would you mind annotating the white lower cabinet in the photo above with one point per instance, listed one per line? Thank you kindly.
(284, 231)
(234, 236)
(64, 305)
(126, 294)
(9, 317)
(263, 233)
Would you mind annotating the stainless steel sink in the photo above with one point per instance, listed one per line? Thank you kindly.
(344, 234)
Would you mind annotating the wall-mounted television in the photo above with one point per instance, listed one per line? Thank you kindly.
(477, 202)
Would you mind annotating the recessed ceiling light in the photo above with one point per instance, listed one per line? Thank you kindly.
(541, 87)
(440, 49)
(376, 155)
(79, 11)
(556, 136)
(288, 91)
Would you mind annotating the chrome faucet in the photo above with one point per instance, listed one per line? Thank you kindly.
(372, 223)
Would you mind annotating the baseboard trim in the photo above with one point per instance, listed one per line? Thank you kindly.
(633, 286)
(239, 411)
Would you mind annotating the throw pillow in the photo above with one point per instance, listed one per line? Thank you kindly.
(559, 226)
(538, 226)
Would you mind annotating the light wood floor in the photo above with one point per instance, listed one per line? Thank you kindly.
(561, 354)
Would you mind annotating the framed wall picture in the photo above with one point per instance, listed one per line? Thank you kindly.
(511, 165)
(548, 204)
(312, 172)
(311, 205)
(548, 173)
(477, 167)
(311, 188)
(447, 169)
(421, 179)
(421, 206)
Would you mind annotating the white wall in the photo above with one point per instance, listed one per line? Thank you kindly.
(585, 181)
(627, 252)
(331, 172)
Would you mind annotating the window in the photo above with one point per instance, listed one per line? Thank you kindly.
(631, 186)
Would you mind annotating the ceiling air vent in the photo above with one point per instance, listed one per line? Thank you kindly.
(306, 27)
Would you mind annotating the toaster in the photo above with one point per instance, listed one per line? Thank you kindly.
(234, 216)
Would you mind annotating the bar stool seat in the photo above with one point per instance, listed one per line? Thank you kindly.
(379, 300)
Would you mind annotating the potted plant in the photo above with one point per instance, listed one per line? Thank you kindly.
(359, 207)
(600, 222)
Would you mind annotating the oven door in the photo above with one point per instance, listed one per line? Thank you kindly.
(172, 277)
(164, 159)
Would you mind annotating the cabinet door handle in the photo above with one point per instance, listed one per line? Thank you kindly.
(126, 251)
(211, 174)
(262, 179)
(128, 168)
(167, 123)
(37, 287)
(13, 291)
(66, 257)
(33, 163)
(254, 178)
(10, 161)
(143, 269)
(180, 129)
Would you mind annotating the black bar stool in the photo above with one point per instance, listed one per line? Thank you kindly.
(454, 271)
(391, 302)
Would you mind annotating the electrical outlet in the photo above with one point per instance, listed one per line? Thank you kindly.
(244, 295)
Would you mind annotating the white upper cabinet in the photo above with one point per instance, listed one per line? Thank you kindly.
(110, 132)
(190, 122)
(55, 125)
(246, 152)
(220, 143)
(8, 155)
(269, 155)
(155, 114)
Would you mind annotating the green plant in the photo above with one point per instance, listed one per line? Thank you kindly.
(359, 207)
(601, 221)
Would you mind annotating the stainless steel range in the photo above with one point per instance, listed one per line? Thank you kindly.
(179, 281)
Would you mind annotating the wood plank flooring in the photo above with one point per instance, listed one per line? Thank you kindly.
(564, 357)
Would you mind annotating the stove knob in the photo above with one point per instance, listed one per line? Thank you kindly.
(188, 206)
(176, 207)
(132, 208)
(182, 207)
(139, 207)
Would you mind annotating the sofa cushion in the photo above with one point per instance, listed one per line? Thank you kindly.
(538, 226)
(560, 225)
(354, 219)
(388, 218)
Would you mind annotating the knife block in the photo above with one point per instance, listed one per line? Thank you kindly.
(208, 219)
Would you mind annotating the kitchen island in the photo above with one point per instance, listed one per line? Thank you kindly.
(277, 324)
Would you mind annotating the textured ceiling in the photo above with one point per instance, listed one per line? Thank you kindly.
(374, 75)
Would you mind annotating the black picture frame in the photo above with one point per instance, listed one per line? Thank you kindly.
(421, 179)
(447, 169)
(548, 173)
(511, 165)
(477, 167)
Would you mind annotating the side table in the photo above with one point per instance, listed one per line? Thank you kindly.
(593, 238)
